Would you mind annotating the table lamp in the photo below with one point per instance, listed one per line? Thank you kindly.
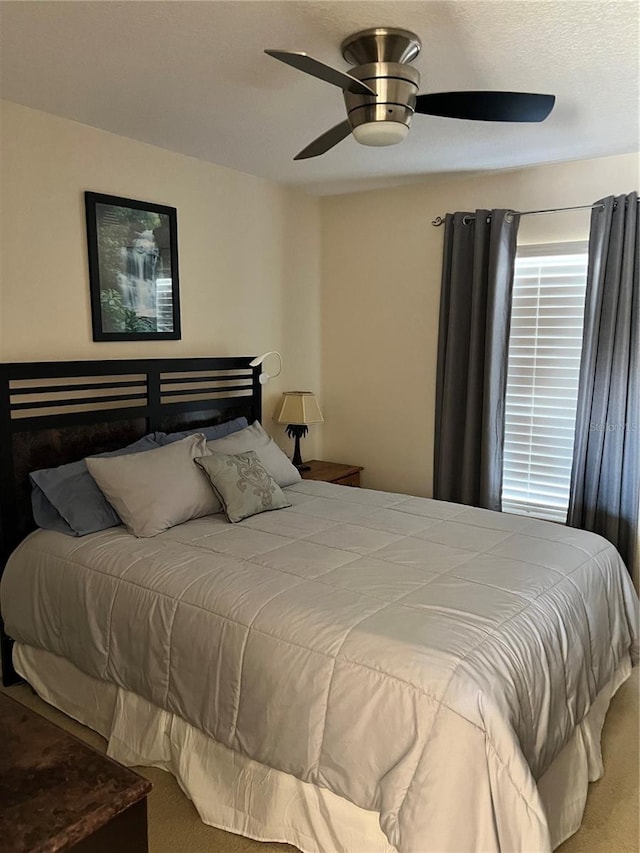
(298, 409)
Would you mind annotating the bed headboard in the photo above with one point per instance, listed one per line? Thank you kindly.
(55, 412)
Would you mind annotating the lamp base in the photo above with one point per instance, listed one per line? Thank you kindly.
(296, 431)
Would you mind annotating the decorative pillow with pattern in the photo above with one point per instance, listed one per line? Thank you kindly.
(242, 483)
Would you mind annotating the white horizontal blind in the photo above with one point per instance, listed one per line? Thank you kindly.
(542, 382)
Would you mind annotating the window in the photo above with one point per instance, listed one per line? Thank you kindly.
(542, 380)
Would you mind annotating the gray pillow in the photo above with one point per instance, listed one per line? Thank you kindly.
(68, 500)
(159, 489)
(210, 432)
(267, 451)
(242, 484)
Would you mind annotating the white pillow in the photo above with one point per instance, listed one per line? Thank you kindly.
(255, 438)
(158, 489)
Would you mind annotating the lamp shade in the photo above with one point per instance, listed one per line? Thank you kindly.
(298, 407)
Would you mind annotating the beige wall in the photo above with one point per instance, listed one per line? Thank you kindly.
(250, 274)
(249, 252)
(381, 282)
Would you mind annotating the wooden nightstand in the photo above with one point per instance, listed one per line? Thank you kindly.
(333, 472)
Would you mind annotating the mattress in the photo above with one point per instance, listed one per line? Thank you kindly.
(419, 659)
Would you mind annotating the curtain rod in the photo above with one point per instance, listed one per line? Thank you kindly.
(439, 220)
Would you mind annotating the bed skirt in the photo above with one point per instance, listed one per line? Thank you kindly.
(234, 793)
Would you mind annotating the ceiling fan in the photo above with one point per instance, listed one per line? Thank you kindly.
(381, 92)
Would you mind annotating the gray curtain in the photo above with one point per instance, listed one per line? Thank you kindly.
(475, 318)
(605, 479)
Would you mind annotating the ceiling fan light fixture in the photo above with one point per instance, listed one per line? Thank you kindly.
(380, 133)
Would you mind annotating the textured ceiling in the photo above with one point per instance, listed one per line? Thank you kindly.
(192, 77)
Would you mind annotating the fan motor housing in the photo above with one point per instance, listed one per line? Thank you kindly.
(381, 44)
(396, 85)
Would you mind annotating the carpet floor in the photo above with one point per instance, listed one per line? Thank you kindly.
(610, 825)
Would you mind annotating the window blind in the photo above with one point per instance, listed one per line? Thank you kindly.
(545, 346)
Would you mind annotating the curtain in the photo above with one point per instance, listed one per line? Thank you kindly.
(605, 478)
(473, 341)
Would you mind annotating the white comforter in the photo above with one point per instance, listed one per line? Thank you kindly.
(422, 659)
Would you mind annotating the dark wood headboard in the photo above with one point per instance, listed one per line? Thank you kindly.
(55, 412)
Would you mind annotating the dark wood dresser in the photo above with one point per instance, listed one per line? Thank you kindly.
(57, 793)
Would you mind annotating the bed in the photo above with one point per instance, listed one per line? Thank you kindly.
(355, 672)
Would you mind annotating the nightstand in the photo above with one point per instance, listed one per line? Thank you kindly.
(333, 472)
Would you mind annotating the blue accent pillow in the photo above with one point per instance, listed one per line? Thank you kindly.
(67, 499)
(211, 433)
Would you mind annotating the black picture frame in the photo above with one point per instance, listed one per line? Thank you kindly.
(133, 269)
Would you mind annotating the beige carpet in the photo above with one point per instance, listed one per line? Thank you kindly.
(611, 820)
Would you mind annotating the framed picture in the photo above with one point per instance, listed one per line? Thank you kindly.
(133, 269)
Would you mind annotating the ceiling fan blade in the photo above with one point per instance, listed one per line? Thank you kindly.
(326, 141)
(486, 106)
(312, 66)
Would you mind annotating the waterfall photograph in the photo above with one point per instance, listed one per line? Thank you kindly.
(133, 269)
